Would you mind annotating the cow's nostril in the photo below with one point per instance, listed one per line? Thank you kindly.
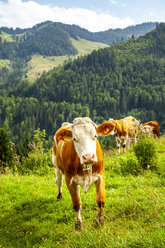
(88, 157)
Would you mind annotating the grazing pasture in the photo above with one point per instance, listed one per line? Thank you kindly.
(30, 215)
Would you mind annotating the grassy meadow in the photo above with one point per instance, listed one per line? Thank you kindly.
(30, 215)
(38, 64)
(5, 63)
(6, 37)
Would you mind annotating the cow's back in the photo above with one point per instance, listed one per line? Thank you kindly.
(123, 127)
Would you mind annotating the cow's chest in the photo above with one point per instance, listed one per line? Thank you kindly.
(86, 181)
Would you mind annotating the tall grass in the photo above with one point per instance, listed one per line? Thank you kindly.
(30, 215)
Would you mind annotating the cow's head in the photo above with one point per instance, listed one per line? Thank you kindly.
(146, 129)
(84, 134)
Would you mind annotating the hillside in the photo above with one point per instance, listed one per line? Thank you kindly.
(56, 40)
(126, 79)
(39, 64)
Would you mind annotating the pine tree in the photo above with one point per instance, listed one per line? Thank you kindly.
(5, 149)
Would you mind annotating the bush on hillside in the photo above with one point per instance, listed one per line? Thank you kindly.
(38, 160)
(146, 152)
(8, 156)
(130, 165)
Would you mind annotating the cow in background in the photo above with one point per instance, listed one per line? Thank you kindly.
(77, 154)
(122, 131)
(148, 128)
(155, 127)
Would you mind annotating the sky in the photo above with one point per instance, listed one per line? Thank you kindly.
(93, 15)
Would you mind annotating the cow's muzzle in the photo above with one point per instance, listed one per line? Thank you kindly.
(88, 158)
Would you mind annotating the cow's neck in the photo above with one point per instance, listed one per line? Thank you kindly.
(86, 180)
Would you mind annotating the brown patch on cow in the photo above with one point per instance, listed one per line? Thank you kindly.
(155, 126)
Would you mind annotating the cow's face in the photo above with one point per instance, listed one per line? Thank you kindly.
(146, 129)
(84, 134)
(84, 139)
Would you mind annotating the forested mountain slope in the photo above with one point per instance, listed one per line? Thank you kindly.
(126, 79)
(26, 53)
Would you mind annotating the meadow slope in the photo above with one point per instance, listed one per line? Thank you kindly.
(30, 215)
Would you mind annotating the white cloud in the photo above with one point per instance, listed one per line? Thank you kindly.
(16, 13)
(113, 1)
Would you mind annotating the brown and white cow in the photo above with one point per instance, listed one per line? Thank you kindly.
(142, 130)
(122, 131)
(148, 128)
(77, 155)
(155, 126)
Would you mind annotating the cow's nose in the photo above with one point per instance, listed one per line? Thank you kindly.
(88, 158)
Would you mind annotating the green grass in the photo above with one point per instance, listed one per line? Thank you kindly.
(85, 46)
(30, 215)
(6, 37)
(38, 64)
(5, 63)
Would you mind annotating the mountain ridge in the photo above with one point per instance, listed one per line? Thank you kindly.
(18, 46)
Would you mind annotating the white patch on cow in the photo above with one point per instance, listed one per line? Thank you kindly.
(55, 140)
(78, 215)
(61, 149)
(84, 138)
(111, 120)
(59, 179)
(66, 124)
(146, 129)
(53, 158)
(86, 181)
(59, 175)
(113, 132)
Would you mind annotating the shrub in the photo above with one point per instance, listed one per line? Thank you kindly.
(8, 156)
(146, 152)
(130, 165)
(37, 162)
(36, 159)
(5, 147)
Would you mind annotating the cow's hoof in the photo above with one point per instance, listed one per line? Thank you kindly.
(100, 219)
(78, 225)
(98, 222)
(59, 196)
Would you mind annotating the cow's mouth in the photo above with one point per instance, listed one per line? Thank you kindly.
(87, 167)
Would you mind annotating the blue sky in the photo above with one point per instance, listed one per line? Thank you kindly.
(93, 15)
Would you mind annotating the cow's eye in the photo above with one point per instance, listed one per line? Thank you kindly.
(74, 139)
(95, 137)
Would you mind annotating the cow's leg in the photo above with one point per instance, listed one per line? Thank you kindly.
(124, 143)
(59, 182)
(100, 198)
(135, 140)
(74, 190)
(118, 141)
(129, 142)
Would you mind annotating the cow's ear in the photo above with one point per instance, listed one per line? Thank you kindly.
(105, 129)
(64, 134)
